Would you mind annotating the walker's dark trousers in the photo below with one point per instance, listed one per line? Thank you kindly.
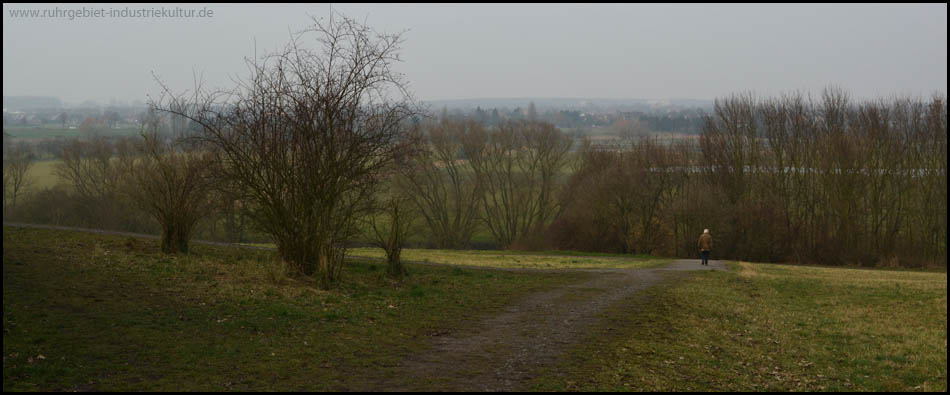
(706, 258)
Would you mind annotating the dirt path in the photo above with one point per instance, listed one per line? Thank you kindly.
(502, 352)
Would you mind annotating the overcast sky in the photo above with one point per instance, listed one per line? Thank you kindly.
(505, 50)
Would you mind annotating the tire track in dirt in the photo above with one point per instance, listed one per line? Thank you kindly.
(503, 352)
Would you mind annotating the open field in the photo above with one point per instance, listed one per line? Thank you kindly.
(55, 131)
(42, 174)
(763, 327)
(93, 312)
(520, 259)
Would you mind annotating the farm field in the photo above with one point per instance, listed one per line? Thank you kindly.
(42, 174)
(48, 132)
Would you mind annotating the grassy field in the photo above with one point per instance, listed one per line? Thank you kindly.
(770, 328)
(90, 312)
(108, 313)
(521, 259)
(41, 174)
(55, 131)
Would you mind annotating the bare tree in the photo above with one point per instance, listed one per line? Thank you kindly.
(731, 154)
(391, 221)
(648, 168)
(630, 189)
(173, 185)
(519, 165)
(15, 178)
(443, 188)
(932, 143)
(307, 135)
(93, 170)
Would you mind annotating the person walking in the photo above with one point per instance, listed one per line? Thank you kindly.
(705, 246)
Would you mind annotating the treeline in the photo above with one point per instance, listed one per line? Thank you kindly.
(782, 179)
(828, 181)
(792, 179)
(124, 184)
(688, 121)
(503, 180)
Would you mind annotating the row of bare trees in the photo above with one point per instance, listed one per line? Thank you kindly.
(462, 177)
(319, 147)
(781, 179)
(154, 183)
(830, 180)
(504, 179)
(519, 166)
(618, 199)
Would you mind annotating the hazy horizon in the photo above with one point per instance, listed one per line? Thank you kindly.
(504, 51)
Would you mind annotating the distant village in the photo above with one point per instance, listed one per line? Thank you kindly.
(50, 112)
(47, 118)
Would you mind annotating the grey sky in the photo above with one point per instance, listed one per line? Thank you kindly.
(509, 50)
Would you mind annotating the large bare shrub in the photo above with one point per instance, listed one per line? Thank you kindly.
(306, 136)
(174, 185)
(391, 221)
